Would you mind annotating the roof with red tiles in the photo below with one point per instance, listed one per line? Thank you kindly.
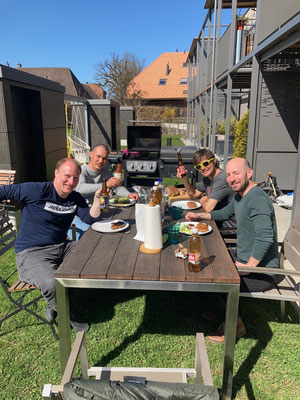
(164, 78)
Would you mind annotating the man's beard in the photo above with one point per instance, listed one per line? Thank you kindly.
(244, 185)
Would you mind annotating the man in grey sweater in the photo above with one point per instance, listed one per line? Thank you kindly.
(256, 231)
(93, 174)
(91, 179)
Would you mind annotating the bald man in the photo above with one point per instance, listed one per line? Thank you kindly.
(256, 229)
(93, 174)
(48, 210)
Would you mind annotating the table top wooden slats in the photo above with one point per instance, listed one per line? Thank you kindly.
(123, 262)
(79, 256)
(117, 256)
(219, 257)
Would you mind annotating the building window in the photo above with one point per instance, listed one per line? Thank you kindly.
(183, 81)
(184, 92)
(162, 81)
(184, 65)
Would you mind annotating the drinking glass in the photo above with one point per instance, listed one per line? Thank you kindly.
(173, 232)
(176, 212)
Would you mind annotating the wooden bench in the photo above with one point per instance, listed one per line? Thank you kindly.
(201, 372)
(288, 289)
(7, 177)
(14, 288)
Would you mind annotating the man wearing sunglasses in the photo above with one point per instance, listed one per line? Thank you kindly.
(214, 189)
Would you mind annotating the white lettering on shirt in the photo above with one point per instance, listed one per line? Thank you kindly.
(58, 209)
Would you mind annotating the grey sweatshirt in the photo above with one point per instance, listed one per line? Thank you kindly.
(256, 226)
(90, 181)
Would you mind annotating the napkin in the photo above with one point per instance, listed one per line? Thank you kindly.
(140, 221)
(153, 229)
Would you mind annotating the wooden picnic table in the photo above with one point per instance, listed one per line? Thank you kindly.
(113, 261)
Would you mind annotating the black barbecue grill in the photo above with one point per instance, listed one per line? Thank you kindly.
(147, 160)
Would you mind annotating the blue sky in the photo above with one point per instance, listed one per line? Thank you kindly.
(79, 34)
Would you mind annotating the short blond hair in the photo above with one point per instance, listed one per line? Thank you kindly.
(61, 162)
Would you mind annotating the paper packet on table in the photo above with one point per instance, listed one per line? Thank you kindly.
(181, 252)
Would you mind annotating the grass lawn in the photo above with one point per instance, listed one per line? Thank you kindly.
(154, 330)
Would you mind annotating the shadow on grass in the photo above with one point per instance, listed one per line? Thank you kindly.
(176, 313)
(164, 313)
(255, 311)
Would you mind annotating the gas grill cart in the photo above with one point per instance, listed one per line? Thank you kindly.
(146, 160)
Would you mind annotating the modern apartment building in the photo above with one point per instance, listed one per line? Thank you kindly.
(255, 61)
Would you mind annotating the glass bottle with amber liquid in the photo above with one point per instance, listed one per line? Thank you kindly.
(154, 196)
(118, 173)
(181, 167)
(104, 199)
(194, 252)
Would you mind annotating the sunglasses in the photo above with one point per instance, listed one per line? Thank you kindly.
(203, 164)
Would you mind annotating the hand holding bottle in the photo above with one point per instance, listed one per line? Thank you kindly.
(113, 182)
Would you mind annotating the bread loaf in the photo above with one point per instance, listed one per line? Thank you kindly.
(202, 227)
(117, 225)
(172, 191)
(191, 204)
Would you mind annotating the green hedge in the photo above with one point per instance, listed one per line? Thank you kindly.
(241, 136)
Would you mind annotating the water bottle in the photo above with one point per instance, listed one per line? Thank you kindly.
(164, 197)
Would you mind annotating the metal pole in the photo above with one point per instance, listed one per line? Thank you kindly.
(201, 75)
(189, 101)
(255, 75)
(215, 89)
(212, 74)
(86, 123)
(206, 92)
(229, 79)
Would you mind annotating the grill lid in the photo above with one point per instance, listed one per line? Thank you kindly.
(169, 153)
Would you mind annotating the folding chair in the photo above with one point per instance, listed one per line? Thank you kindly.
(18, 291)
(174, 378)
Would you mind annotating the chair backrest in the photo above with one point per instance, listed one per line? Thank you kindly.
(7, 233)
(291, 244)
(7, 177)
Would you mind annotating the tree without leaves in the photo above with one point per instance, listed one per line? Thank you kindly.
(116, 74)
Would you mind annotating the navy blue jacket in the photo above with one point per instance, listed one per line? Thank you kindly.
(46, 217)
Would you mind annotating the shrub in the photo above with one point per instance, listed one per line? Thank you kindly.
(220, 126)
(241, 136)
(168, 114)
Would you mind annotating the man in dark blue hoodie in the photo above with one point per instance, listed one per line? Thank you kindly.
(48, 210)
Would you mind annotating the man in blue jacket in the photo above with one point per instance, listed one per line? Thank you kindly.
(48, 210)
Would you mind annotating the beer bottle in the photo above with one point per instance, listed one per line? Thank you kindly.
(104, 199)
(180, 163)
(158, 192)
(154, 197)
(194, 252)
(118, 172)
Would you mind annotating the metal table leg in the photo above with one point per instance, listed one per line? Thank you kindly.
(64, 331)
(232, 305)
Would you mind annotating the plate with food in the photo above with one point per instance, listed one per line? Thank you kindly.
(187, 204)
(109, 226)
(186, 228)
(119, 201)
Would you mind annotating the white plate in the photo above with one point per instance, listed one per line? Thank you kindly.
(183, 204)
(194, 223)
(105, 226)
(111, 203)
